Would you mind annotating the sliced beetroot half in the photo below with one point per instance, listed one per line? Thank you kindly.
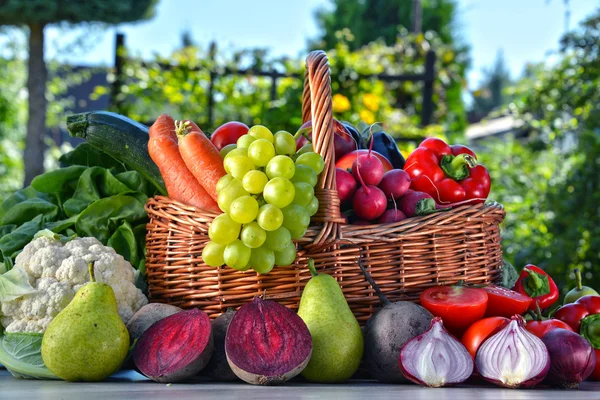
(175, 348)
(266, 343)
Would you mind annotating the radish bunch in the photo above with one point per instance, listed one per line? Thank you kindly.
(367, 189)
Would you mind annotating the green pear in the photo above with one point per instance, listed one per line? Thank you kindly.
(337, 338)
(578, 291)
(87, 341)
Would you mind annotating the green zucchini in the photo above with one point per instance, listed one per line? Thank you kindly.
(120, 137)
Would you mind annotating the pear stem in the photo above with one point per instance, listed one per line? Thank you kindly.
(91, 269)
(578, 278)
(311, 267)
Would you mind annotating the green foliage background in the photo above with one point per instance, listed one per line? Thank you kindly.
(549, 182)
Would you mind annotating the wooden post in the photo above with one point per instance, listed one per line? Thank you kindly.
(212, 51)
(417, 16)
(115, 89)
(273, 85)
(428, 81)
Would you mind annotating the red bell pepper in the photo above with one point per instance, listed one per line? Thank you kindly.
(449, 174)
(574, 313)
(538, 285)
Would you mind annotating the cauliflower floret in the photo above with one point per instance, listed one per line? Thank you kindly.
(57, 271)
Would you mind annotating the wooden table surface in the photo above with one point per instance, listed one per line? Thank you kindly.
(130, 385)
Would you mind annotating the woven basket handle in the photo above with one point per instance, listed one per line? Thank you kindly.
(317, 107)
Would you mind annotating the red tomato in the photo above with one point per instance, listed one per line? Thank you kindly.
(595, 376)
(540, 328)
(228, 133)
(572, 314)
(459, 307)
(480, 331)
(591, 303)
(504, 302)
(346, 161)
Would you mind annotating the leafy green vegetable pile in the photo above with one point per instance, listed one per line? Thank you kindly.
(93, 194)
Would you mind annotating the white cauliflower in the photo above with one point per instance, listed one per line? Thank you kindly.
(56, 270)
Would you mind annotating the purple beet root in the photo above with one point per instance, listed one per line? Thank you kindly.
(218, 368)
(266, 343)
(175, 348)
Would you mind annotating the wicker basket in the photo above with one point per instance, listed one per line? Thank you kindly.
(403, 258)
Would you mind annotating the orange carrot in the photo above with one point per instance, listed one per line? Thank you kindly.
(181, 184)
(200, 156)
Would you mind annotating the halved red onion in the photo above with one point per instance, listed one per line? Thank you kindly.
(513, 357)
(435, 358)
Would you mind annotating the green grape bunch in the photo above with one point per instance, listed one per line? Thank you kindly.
(267, 198)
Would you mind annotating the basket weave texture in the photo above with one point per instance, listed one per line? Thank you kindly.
(403, 258)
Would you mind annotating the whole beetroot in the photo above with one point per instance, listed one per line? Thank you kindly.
(148, 315)
(267, 343)
(218, 368)
(175, 348)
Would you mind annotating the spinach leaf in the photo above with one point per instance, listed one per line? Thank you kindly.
(105, 215)
(21, 354)
(509, 275)
(17, 239)
(124, 242)
(14, 284)
(59, 226)
(87, 155)
(6, 229)
(57, 180)
(23, 211)
(136, 182)
(95, 183)
(21, 196)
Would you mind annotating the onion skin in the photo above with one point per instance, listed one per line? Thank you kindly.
(438, 354)
(572, 358)
(510, 352)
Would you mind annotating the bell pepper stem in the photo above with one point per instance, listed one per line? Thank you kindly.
(455, 167)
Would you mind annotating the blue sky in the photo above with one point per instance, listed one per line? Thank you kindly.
(526, 30)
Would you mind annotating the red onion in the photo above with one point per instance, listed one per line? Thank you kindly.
(435, 358)
(572, 358)
(513, 357)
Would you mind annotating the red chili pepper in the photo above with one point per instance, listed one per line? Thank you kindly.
(450, 174)
(538, 285)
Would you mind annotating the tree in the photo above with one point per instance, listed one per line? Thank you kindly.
(369, 20)
(36, 15)
(491, 93)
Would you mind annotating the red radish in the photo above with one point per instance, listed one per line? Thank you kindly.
(417, 203)
(346, 184)
(371, 168)
(390, 216)
(395, 183)
(369, 201)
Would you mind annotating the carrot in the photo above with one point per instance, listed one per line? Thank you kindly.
(181, 183)
(200, 156)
